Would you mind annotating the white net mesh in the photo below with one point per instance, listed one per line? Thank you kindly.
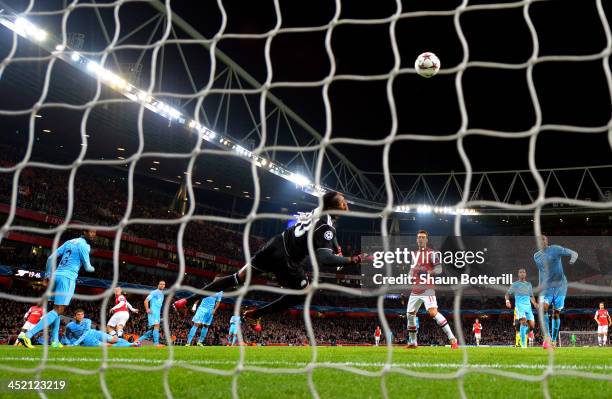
(24, 23)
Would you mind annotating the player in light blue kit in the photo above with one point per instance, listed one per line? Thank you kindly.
(233, 330)
(523, 299)
(553, 284)
(75, 329)
(73, 253)
(79, 332)
(153, 305)
(204, 317)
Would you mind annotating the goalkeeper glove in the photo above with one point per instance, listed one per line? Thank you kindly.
(360, 258)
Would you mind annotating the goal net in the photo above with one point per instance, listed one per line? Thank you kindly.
(113, 100)
(578, 338)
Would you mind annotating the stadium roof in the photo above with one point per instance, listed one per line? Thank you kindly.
(496, 98)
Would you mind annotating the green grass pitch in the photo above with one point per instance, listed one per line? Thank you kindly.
(278, 372)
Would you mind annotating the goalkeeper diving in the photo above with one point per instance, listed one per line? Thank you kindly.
(284, 256)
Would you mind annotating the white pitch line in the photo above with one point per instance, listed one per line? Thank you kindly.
(304, 364)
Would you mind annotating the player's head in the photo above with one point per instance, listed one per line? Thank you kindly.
(335, 201)
(477, 320)
(522, 273)
(543, 241)
(89, 234)
(161, 285)
(79, 314)
(118, 291)
(422, 238)
(602, 305)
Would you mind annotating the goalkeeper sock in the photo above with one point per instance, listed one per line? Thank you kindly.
(546, 325)
(156, 336)
(203, 334)
(556, 324)
(443, 323)
(412, 335)
(192, 333)
(55, 331)
(42, 323)
(524, 336)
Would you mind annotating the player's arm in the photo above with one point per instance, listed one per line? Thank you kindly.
(130, 308)
(532, 297)
(84, 255)
(595, 318)
(117, 306)
(507, 297)
(217, 303)
(324, 243)
(146, 304)
(54, 255)
(573, 255)
(85, 331)
(326, 256)
(609, 321)
(25, 316)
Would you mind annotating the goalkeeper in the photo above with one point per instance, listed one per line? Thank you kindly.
(283, 256)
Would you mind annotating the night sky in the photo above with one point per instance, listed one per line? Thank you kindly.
(572, 93)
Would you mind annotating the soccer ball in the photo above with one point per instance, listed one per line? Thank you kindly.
(427, 65)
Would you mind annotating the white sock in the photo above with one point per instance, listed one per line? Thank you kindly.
(120, 333)
(604, 339)
(442, 322)
(112, 333)
(412, 336)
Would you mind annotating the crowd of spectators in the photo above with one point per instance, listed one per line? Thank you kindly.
(102, 199)
(289, 327)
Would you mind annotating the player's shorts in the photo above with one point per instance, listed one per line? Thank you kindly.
(602, 329)
(273, 258)
(119, 319)
(415, 302)
(203, 317)
(95, 338)
(524, 312)
(153, 318)
(63, 289)
(27, 326)
(376, 338)
(233, 330)
(555, 296)
(477, 335)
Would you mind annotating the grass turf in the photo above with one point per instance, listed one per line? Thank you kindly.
(274, 372)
